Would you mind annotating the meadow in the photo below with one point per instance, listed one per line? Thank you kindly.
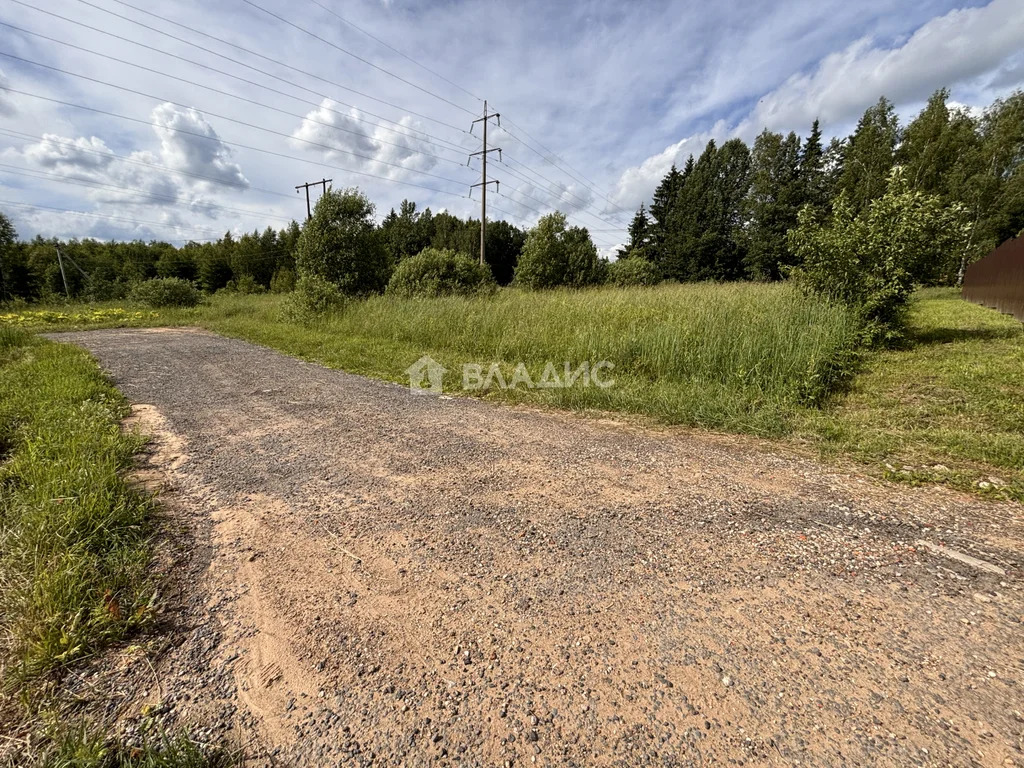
(947, 406)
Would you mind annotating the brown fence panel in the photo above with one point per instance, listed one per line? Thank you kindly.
(997, 280)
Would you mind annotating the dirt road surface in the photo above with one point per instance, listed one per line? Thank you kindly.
(378, 577)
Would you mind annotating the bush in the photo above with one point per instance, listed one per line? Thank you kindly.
(555, 255)
(313, 298)
(283, 281)
(341, 244)
(440, 272)
(245, 285)
(165, 292)
(869, 261)
(632, 271)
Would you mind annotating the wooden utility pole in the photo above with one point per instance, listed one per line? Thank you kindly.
(484, 182)
(306, 186)
(60, 260)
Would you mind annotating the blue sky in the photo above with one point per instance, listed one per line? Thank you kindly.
(597, 99)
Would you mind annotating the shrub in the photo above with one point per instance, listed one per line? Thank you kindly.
(341, 244)
(283, 280)
(440, 272)
(245, 285)
(166, 292)
(632, 271)
(313, 298)
(555, 254)
(868, 261)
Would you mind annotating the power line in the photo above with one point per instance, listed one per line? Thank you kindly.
(106, 216)
(229, 143)
(357, 57)
(253, 53)
(393, 49)
(62, 178)
(243, 64)
(547, 158)
(581, 210)
(134, 161)
(193, 83)
(540, 213)
(329, 147)
(555, 185)
(436, 141)
(456, 85)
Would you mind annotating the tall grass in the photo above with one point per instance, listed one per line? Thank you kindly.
(739, 356)
(73, 550)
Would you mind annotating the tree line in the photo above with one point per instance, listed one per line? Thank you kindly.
(97, 270)
(735, 212)
(727, 214)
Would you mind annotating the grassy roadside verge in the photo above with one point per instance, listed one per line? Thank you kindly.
(73, 546)
(948, 407)
(74, 542)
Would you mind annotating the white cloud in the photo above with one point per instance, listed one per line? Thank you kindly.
(949, 50)
(89, 159)
(70, 155)
(595, 83)
(189, 143)
(637, 184)
(338, 135)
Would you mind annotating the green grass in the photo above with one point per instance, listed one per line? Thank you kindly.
(948, 407)
(73, 540)
(739, 357)
(733, 357)
(82, 747)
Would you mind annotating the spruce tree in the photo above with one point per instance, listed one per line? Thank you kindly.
(777, 192)
(665, 197)
(870, 155)
(639, 235)
(703, 241)
(813, 182)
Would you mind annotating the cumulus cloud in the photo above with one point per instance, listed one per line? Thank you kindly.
(959, 46)
(955, 48)
(338, 135)
(189, 143)
(71, 156)
(636, 184)
(89, 159)
(528, 198)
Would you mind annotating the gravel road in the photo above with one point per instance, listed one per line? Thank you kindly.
(376, 576)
